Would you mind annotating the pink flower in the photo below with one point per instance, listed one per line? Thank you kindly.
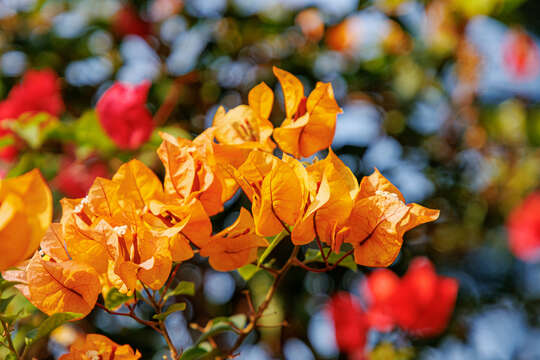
(524, 229)
(127, 21)
(123, 114)
(39, 91)
(350, 324)
(421, 302)
(76, 176)
(521, 55)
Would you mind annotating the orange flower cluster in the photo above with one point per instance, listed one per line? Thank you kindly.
(129, 230)
(96, 346)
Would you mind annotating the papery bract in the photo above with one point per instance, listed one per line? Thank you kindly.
(96, 346)
(311, 122)
(113, 230)
(247, 126)
(191, 171)
(332, 175)
(379, 219)
(54, 283)
(280, 200)
(123, 114)
(234, 246)
(25, 215)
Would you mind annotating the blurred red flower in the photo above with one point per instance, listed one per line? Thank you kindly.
(350, 324)
(123, 114)
(420, 303)
(39, 91)
(76, 176)
(524, 229)
(521, 55)
(128, 22)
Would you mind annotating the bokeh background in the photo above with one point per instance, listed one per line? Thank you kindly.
(441, 96)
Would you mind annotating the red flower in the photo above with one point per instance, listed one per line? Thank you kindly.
(349, 323)
(39, 91)
(75, 176)
(127, 21)
(524, 229)
(420, 303)
(521, 55)
(123, 114)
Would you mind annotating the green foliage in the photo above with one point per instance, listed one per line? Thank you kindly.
(248, 271)
(313, 255)
(222, 324)
(89, 135)
(386, 350)
(171, 309)
(49, 324)
(115, 298)
(183, 288)
(35, 129)
(275, 241)
(196, 352)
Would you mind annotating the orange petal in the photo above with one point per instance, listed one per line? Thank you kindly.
(322, 109)
(99, 347)
(293, 90)
(62, 287)
(374, 229)
(137, 185)
(261, 100)
(235, 246)
(53, 243)
(25, 215)
(376, 182)
(180, 171)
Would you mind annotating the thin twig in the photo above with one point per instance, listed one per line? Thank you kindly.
(132, 315)
(318, 238)
(168, 285)
(173, 95)
(254, 318)
(10, 344)
(327, 267)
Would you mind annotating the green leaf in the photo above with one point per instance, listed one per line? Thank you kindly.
(183, 288)
(5, 302)
(7, 140)
(49, 325)
(277, 239)
(115, 298)
(171, 309)
(11, 356)
(4, 284)
(313, 255)
(196, 352)
(90, 134)
(34, 129)
(248, 271)
(223, 324)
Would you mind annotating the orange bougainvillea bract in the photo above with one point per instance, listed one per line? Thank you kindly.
(127, 231)
(25, 215)
(95, 346)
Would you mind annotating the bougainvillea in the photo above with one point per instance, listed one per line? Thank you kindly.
(123, 114)
(524, 229)
(420, 303)
(126, 234)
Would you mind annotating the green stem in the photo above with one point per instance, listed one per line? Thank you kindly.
(10, 344)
